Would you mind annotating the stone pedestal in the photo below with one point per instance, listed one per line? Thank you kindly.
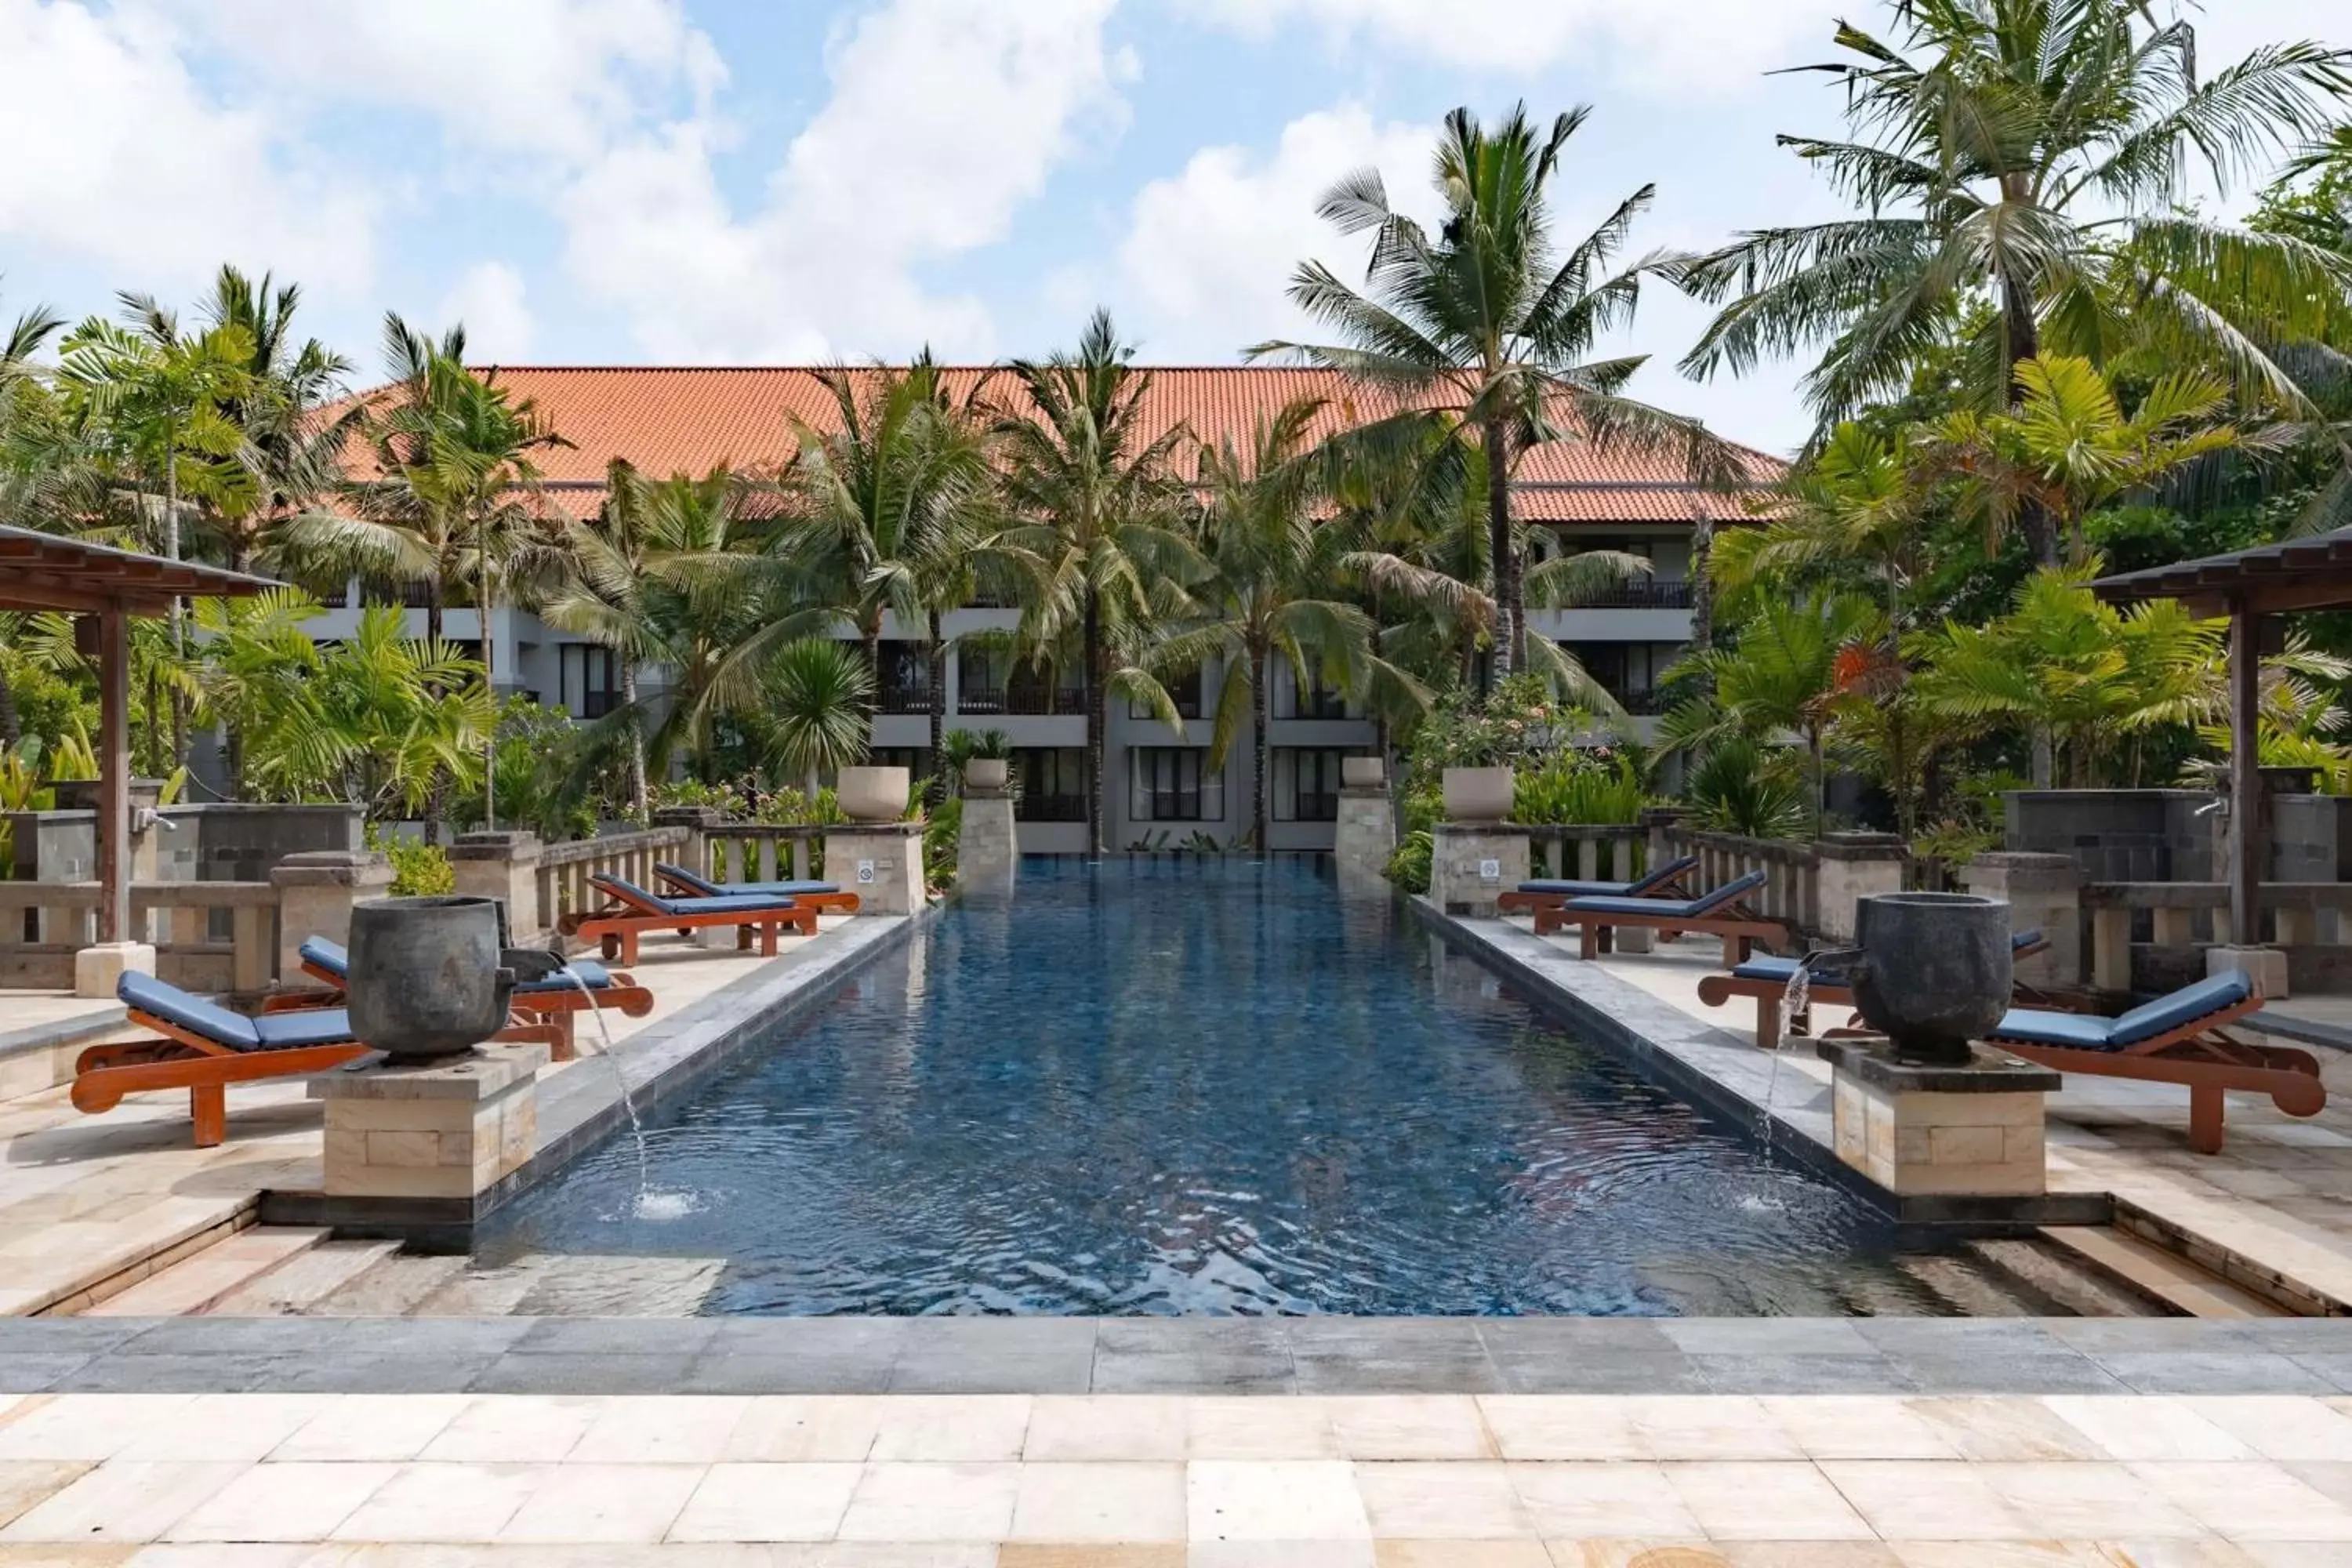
(1939, 1132)
(450, 1130)
(504, 866)
(96, 969)
(2044, 893)
(1473, 865)
(316, 890)
(1365, 839)
(881, 862)
(987, 854)
(2264, 966)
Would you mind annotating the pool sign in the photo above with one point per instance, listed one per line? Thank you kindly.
(865, 871)
(1490, 870)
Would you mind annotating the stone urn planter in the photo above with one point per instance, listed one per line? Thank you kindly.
(873, 795)
(1478, 794)
(1932, 972)
(986, 772)
(1363, 773)
(428, 977)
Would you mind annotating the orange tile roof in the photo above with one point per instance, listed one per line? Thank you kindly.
(668, 420)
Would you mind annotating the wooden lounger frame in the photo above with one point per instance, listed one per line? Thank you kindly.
(616, 927)
(558, 1006)
(1714, 990)
(1549, 907)
(1739, 926)
(839, 903)
(182, 1059)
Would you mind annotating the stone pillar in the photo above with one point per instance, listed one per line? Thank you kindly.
(697, 821)
(1850, 868)
(316, 890)
(1365, 839)
(1474, 864)
(447, 1130)
(2044, 893)
(881, 862)
(2264, 966)
(505, 866)
(987, 853)
(1657, 823)
(1940, 1132)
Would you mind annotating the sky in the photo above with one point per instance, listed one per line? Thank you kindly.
(594, 182)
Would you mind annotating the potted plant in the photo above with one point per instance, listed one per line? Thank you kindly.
(1480, 793)
(1478, 742)
(1362, 773)
(984, 755)
(873, 793)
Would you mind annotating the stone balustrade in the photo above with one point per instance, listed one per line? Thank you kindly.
(1814, 885)
(208, 936)
(563, 869)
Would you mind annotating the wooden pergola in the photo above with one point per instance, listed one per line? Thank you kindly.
(47, 571)
(2249, 586)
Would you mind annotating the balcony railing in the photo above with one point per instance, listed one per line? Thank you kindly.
(1050, 808)
(906, 699)
(1023, 700)
(1649, 594)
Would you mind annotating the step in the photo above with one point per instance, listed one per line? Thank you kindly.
(2173, 1280)
(194, 1284)
(1966, 1285)
(2064, 1279)
(300, 1283)
(391, 1289)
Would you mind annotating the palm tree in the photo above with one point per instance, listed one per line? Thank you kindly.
(1272, 562)
(2023, 169)
(1094, 506)
(815, 716)
(1485, 329)
(1855, 506)
(294, 452)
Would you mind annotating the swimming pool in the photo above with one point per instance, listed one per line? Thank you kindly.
(1180, 1086)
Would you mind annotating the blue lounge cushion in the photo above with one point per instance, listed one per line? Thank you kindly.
(2206, 997)
(1691, 909)
(331, 956)
(211, 1021)
(708, 888)
(1554, 887)
(744, 904)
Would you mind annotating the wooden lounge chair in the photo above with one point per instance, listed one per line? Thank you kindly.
(635, 912)
(1544, 897)
(1719, 913)
(1767, 980)
(556, 1000)
(2178, 1039)
(686, 884)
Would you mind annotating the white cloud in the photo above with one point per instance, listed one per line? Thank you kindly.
(1679, 47)
(119, 158)
(489, 298)
(1210, 250)
(946, 116)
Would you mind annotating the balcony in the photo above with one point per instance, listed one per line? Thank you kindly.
(1023, 700)
(1050, 808)
(1649, 594)
(914, 696)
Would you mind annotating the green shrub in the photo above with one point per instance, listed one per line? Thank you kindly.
(1580, 787)
(1753, 791)
(419, 870)
(942, 836)
(1409, 868)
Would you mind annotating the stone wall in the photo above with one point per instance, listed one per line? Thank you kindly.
(2118, 835)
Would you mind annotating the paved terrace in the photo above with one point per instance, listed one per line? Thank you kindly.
(90, 1205)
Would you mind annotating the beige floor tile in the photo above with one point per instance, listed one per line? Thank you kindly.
(686, 1429)
(2147, 1426)
(282, 1502)
(1079, 1427)
(86, 1425)
(975, 1428)
(1236, 1429)
(1765, 1500)
(121, 1500)
(1842, 1426)
(1448, 1499)
(1412, 1426)
(1807, 1554)
(2283, 1554)
(2017, 1430)
(768, 1502)
(1461, 1554)
(619, 1503)
(1560, 1426)
(1923, 1499)
(2086, 1501)
(2280, 1427)
(2254, 1501)
(1091, 1554)
(789, 1429)
(231, 1554)
(1280, 1555)
(1629, 1552)
(2004, 1554)
(513, 1429)
(1273, 1499)
(1708, 1426)
(932, 1502)
(1575, 1500)
(444, 1503)
(363, 1427)
(24, 1483)
(880, 1554)
(1101, 1503)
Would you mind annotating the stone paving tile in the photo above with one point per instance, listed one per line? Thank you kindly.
(2186, 1372)
(726, 1371)
(1671, 1373)
(581, 1373)
(1860, 1373)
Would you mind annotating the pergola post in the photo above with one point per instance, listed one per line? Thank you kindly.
(2249, 843)
(96, 969)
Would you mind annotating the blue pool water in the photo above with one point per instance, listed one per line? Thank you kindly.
(1168, 1086)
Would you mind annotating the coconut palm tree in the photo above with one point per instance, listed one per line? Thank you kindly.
(1094, 507)
(1854, 507)
(1484, 327)
(2022, 167)
(294, 451)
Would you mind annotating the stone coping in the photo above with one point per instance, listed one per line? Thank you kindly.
(1180, 1356)
(50, 1033)
(1724, 1073)
(1994, 1072)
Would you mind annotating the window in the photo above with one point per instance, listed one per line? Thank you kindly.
(916, 759)
(1053, 783)
(1184, 689)
(1298, 696)
(905, 683)
(1305, 784)
(1173, 783)
(988, 680)
(591, 679)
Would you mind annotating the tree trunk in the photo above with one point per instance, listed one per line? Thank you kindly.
(1702, 584)
(1097, 716)
(938, 653)
(12, 726)
(1509, 606)
(640, 798)
(436, 798)
(2044, 757)
(2022, 340)
(179, 612)
(482, 607)
(1257, 747)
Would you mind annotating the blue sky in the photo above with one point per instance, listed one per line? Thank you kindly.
(734, 180)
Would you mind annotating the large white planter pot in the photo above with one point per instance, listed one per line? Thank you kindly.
(1362, 773)
(1478, 794)
(986, 772)
(873, 795)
